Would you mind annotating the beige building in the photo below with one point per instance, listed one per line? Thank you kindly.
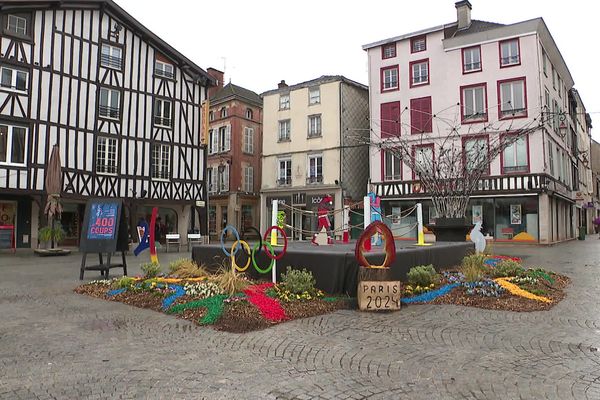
(309, 150)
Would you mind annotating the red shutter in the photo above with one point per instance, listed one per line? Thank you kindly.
(420, 115)
(390, 119)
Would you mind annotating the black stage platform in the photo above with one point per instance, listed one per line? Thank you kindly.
(334, 267)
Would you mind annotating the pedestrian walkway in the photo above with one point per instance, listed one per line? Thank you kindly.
(57, 344)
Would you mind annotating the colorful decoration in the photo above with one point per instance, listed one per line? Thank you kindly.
(144, 242)
(477, 237)
(153, 255)
(492, 261)
(271, 254)
(115, 292)
(233, 251)
(523, 237)
(168, 301)
(237, 238)
(325, 205)
(390, 245)
(269, 307)
(429, 296)
(517, 291)
(375, 203)
(214, 306)
(254, 253)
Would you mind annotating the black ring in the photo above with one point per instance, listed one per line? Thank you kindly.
(251, 228)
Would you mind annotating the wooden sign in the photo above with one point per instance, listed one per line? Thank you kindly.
(379, 295)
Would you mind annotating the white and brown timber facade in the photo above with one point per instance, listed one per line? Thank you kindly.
(123, 106)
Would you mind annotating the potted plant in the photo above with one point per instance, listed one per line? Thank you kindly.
(52, 235)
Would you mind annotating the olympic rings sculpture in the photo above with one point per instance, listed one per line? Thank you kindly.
(272, 255)
(241, 243)
(253, 229)
(390, 245)
(237, 238)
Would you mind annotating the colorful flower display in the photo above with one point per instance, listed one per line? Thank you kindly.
(517, 291)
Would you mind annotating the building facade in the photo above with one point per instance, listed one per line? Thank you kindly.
(122, 105)
(483, 80)
(234, 142)
(310, 150)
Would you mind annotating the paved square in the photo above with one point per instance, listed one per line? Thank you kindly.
(55, 344)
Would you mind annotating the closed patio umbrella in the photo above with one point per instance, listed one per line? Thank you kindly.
(53, 187)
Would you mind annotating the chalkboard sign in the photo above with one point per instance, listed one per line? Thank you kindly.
(104, 229)
(7, 237)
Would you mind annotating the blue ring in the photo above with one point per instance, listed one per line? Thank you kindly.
(237, 237)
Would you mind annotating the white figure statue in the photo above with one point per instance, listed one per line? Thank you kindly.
(478, 238)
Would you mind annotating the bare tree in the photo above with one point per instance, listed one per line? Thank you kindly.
(450, 162)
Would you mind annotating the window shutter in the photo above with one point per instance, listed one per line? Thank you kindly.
(213, 177)
(215, 141)
(390, 119)
(228, 138)
(226, 178)
(426, 115)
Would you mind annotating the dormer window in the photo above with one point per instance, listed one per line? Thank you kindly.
(211, 116)
(164, 69)
(223, 112)
(249, 113)
(17, 25)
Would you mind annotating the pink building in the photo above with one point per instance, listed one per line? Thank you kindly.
(484, 79)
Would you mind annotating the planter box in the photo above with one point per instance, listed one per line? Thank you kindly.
(450, 229)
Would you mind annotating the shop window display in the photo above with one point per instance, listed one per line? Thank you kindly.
(517, 219)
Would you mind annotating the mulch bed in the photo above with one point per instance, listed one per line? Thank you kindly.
(507, 301)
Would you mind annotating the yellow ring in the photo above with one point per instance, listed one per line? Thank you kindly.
(247, 246)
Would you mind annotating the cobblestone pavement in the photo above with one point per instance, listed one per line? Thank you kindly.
(55, 344)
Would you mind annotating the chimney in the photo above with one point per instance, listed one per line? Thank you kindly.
(218, 75)
(282, 84)
(463, 14)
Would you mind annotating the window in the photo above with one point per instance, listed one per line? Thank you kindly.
(223, 112)
(315, 169)
(13, 79)
(555, 116)
(515, 157)
(389, 78)
(388, 50)
(551, 158)
(13, 142)
(213, 141)
(111, 56)
(390, 119)
(392, 166)
(249, 113)
(553, 77)
(509, 53)
(223, 177)
(314, 95)
(161, 160)
(284, 130)
(16, 24)
(314, 125)
(512, 98)
(419, 72)
(162, 113)
(106, 155)
(559, 86)
(225, 138)
(475, 154)
(423, 159)
(545, 62)
(284, 102)
(211, 179)
(284, 174)
(471, 58)
(474, 103)
(418, 44)
(248, 179)
(546, 99)
(248, 142)
(420, 115)
(211, 116)
(109, 103)
(164, 69)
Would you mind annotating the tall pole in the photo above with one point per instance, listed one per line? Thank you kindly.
(420, 233)
(274, 239)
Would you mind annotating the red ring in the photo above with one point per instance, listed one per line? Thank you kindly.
(285, 243)
(390, 245)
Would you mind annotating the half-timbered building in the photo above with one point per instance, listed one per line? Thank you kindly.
(123, 106)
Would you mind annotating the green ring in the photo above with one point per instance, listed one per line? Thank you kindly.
(257, 246)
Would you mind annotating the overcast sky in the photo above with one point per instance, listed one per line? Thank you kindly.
(259, 43)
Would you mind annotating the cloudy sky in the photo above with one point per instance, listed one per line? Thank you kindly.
(259, 43)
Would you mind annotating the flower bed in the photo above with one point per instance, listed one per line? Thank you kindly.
(227, 301)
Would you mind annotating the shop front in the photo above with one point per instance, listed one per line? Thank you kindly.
(15, 211)
(510, 219)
